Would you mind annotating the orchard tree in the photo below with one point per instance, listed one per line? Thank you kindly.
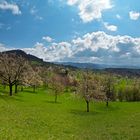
(32, 78)
(108, 87)
(73, 84)
(11, 68)
(89, 88)
(56, 84)
(47, 75)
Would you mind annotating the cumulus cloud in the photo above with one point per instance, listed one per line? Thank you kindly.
(134, 15)
(38, 50)
(72, 2)
(109, 27)
(90, 10)
(4, 5)
(3, 47)
(47, 38)
(55, 52)
(95, 47)
(59, 51)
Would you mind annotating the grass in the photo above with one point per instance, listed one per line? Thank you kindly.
(35, 116)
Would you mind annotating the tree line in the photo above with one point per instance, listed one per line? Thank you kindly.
(16, 71)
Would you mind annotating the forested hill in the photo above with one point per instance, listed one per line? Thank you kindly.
(26, 56)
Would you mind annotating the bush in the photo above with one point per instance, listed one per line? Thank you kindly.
(121, 94)
(132, 93)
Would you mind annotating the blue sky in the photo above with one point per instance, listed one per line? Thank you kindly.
(95, 31)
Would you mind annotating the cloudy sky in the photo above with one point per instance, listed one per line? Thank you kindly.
(95, 31)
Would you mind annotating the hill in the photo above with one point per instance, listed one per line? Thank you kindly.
(29, 57)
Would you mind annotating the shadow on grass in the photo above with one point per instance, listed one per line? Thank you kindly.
(29, 91)
(83, 113)
(4, 91)
(10, 98)
(52, 102)
(112, 107)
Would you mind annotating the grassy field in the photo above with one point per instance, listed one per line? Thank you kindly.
(34, 116)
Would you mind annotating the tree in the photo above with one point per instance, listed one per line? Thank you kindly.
(132, 91)
(89, 88)
(16, 86)
(46, 76)
(73, 84)
(32, 78)
(11, 68)
(56, 84)
(108, 88)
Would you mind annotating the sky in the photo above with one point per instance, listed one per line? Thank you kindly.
(85, 31)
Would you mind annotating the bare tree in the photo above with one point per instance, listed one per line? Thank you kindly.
(11, 68)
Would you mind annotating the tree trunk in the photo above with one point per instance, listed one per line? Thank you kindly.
(55, 97)
(34, 88)
(4, 86)
(66, 89)
(45, 86)
(107, 103)
(16, 88)
(10, 88)
(87, 106)
(21, 88)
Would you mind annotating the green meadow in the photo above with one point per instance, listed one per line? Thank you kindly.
(35, 116)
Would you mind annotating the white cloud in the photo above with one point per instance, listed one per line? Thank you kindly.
(38, 50)
(3, 47)
(55, 52)
(118, 16)
(59, 51)
(72, 2)
(1, 25)
(38, 17)
(134, 15)
(47, 38)
(90, 10)
(4, 5)
(95, 41)
(34, 12)
(95, 47)
(112, 28)
(39, 45)
(8, 28)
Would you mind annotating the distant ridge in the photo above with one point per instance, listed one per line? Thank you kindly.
(124, 71)
(97, 66)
